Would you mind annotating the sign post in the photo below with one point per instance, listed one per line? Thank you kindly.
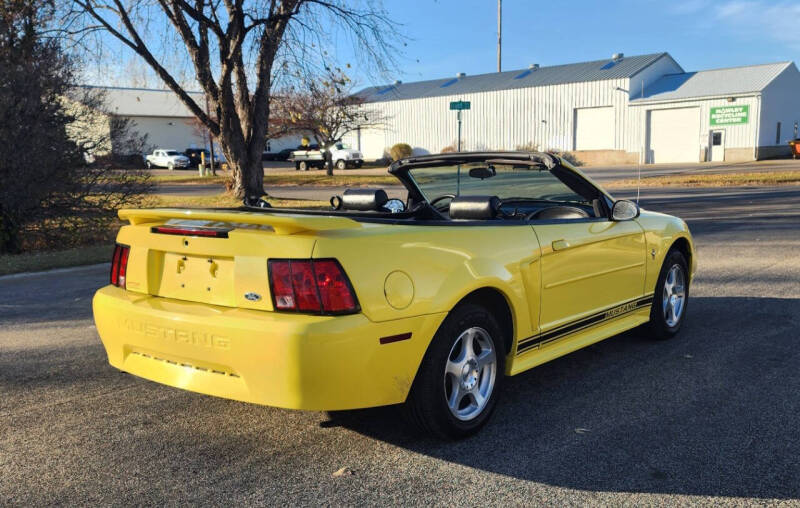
(459, 106)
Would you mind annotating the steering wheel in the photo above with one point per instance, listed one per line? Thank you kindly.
(440, 198)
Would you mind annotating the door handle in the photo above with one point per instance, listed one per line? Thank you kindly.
(560, 244)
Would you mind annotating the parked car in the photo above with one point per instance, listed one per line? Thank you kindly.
(277, 156)
(195, 156)
(495, 263)
(170, 159)
(342, 157)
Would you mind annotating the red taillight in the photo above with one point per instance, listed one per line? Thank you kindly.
(191, 231)
(119, 265)
(311, 285)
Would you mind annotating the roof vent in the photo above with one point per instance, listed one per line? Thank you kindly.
(617, 56)
(398, 82)
(461, 75)
(533, 67)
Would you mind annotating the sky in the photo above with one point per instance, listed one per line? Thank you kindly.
(445, 37)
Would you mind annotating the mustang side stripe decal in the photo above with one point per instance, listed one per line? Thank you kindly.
(587, 322)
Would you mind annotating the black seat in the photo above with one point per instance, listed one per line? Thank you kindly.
(474, 207)
(364, 199)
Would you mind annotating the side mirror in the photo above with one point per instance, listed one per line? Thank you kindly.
(624, 210)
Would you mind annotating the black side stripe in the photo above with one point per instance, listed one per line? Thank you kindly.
(587, 322)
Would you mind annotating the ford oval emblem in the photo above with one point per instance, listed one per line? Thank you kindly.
(253, 297)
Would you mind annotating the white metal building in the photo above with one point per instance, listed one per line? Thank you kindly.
(620, 110)
(167, 122)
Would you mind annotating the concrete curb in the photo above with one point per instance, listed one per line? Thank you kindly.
(54, 271)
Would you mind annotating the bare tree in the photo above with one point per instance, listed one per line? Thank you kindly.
(238, 50)
(328, 109)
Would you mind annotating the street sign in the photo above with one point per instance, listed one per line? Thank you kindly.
(730, 115)
(459, 105)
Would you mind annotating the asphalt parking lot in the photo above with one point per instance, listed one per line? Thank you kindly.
(709, 417)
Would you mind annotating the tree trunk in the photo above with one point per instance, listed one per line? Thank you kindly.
(248, 178)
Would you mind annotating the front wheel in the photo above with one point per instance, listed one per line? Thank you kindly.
(302, 166)
(458, 382)
(170, 166)
(340, 164)
(671, 297)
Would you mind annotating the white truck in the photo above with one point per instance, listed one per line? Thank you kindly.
(164, 158)
(312, 157)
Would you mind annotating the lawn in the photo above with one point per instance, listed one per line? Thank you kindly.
(287, 179)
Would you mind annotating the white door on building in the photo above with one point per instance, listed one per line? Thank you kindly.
(594, 128)
(673, 135)
(716, 145)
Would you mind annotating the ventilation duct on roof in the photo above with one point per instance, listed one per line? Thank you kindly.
(533, 67)
(617, 56)
(398, 82)
(461, 75)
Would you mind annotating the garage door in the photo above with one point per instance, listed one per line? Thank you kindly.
(673, 135)
(594, 128)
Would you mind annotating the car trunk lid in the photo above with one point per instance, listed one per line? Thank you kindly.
(217, 257)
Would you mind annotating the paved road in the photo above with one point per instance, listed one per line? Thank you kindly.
(709, 416)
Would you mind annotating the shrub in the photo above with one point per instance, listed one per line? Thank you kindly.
(400, 151)
(449, 148)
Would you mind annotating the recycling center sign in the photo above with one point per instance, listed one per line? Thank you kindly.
(730, 115)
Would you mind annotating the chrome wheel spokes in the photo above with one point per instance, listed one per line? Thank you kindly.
(470, 373)
(674, 297)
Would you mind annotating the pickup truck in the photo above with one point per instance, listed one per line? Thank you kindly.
(169, 159)
(312, 157)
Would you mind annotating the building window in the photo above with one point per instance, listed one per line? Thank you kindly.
(716, 138)
(778, 135)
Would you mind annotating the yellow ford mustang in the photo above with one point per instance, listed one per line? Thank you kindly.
(492, 264)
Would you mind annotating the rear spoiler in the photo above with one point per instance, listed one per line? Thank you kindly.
(282, 224)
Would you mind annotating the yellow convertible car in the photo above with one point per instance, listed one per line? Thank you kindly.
(489, 265)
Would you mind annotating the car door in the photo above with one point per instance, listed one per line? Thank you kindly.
(587, 267)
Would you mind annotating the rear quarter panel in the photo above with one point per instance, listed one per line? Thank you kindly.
(444, 264)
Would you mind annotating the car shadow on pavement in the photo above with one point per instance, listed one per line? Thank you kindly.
(713, 411)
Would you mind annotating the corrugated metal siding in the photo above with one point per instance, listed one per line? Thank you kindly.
(736, 136)
(542, 116)
(780, 102)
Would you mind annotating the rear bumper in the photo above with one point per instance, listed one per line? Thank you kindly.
(278, 359)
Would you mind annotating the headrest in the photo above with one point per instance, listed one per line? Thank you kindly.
(474, 207)
(364, 199)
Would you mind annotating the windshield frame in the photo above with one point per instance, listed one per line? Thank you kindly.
(570, 177)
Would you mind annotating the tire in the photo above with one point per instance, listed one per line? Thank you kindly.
(671, 297)
(341, 164)
(427, 406)
(148, 164)
(170, 166)
(302, 166)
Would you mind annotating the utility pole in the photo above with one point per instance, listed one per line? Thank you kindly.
(499, 34)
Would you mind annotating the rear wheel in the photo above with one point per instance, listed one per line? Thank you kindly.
(671, 297)
(148, 164)
(458, 382)
(302, 166)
